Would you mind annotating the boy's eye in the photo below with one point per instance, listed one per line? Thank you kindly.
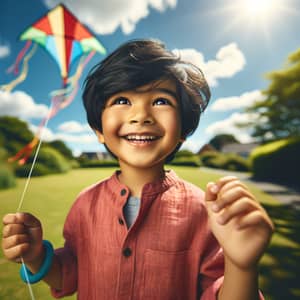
(121, 101)
(162, 101)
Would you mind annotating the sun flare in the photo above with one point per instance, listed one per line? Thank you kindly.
(258, 6)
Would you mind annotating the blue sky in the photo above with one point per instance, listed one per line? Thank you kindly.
(235, 43)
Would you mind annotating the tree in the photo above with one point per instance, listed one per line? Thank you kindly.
(61, 147)
(279, 113)
(14, 134)
(221, 140)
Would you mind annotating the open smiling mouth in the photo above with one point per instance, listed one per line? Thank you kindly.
(141, 139)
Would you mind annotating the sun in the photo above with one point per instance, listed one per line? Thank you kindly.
(259, 7)
(259, 18)
(255, 15)
(259, 10)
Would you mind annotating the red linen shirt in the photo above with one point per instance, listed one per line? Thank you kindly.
(169, 253)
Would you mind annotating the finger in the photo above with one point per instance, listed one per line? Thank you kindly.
(231, 184)
(14, 253)
(225, 180)
(211, 191)
(12, 229)
(14, 240)
(237, 209)
(231, 195)
(254, 218)
(19, 218)
(10, 219)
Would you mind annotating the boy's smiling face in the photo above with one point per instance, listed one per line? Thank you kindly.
(142, 127)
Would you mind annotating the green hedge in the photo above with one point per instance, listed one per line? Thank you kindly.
(38, 170)
(49, 161)
(99, 163)
(277, 161)
(189, 161)
(7, 178)
(230, 161)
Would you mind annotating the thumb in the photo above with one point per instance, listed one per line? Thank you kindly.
(33, 226)
(28, 220)
(211, 191)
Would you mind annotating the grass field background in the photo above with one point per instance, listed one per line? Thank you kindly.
(50, 198)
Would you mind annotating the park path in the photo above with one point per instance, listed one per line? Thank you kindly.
(284, 194)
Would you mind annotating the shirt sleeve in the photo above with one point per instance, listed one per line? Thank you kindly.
(67, 258)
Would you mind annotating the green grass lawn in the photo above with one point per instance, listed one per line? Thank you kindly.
(50, 197)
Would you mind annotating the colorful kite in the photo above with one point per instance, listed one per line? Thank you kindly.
(61, 34)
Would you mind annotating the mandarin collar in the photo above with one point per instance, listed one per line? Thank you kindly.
(155, 187)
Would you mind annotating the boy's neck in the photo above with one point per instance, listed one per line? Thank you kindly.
(136, 178)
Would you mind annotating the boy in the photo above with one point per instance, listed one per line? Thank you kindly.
(144, 233)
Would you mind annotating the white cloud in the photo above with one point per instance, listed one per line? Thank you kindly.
(19, 104)
(236, 102)
(74, 127)
(228, 126)
(229, 60)
(48, 135)
(104, 17)
(192, 144)
(4, 51)
(45, 134)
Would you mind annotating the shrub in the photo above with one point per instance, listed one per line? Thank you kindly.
(38, 170)
(3, 154)
(49, 161)
(74, 164)
(230, 161)
(189, 161)
(7, 178)
(99, 163)
(207, 156)
(184, 153)
(278, 161)
(236, 163)
(53, 160)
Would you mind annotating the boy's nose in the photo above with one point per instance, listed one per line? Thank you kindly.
(141, 120)
(141, 116)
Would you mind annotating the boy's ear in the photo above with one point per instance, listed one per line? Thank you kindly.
(100, 137)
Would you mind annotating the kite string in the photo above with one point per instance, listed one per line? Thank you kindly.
(23, 195)
(34, 160)
(27, 279)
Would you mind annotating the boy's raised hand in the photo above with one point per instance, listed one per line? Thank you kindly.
(22, 237)
(238, 221)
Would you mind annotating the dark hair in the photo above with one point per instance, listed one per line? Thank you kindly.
(137, 63)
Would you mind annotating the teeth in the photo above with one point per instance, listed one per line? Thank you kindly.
(141, 137)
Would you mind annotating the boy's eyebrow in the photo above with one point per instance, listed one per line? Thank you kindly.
(166, 91)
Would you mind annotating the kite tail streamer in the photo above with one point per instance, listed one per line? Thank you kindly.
(10, 86)
(60, 99)
(15, 66)
(73, 81)
(23, 154)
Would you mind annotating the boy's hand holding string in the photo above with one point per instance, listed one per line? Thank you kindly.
(243, 229)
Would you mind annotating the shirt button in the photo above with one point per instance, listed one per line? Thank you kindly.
(123, 192)
(121, 222)
(127, 252)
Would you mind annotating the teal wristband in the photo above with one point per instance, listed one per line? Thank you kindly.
(28, 277)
